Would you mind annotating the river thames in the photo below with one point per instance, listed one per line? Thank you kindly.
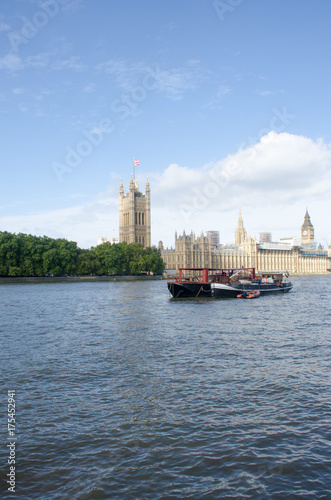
(124, 393)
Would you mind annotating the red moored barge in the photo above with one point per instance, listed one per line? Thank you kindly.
(227, 283)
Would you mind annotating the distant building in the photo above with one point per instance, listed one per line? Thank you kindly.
(307, 233)
(265, 237)
(135, 214)
(274, 245)
(197, 251)
(214, 237)
(105, 239)
(293, 241)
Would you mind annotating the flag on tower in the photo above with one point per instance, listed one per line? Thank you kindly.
(136, 162)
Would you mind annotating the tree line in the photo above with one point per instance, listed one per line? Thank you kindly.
(28, 255)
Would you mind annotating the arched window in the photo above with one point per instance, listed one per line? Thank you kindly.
(139, 218)
(136, 218)
(143, 219)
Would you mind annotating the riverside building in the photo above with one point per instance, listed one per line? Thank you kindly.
(135, 214)
(297, 257)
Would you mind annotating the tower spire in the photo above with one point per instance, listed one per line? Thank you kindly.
(307, 232)
(240, 235)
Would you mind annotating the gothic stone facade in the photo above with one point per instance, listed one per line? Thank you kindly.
(135, 215)
(192, 251)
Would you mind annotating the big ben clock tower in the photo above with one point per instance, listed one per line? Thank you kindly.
(307, 233)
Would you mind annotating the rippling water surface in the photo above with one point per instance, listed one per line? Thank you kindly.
(125, 393)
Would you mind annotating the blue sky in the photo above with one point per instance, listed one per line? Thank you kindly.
(226, 103)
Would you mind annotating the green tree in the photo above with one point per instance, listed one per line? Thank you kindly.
(100, 253)
(86, 262)
(26, 255)
(51, 262)
(134, 258)
(10, 253)
(67, 256)
(154, 261)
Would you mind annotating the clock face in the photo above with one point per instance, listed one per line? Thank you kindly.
(304, 232)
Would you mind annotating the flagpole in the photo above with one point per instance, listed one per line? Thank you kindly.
(135, 162)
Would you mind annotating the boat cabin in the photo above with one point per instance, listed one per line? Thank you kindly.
(210, 275)
(276, 277)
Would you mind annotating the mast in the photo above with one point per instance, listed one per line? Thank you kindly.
(135, 162)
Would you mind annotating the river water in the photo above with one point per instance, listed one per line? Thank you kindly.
(124, 393)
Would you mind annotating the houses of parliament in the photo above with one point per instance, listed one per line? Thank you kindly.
(298, 256)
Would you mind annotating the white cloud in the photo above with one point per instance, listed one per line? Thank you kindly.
(173, 82)
(125, 75)
(72, 62)
(177, 180)
(280, 164)
(176, 81)
(4, 26)
(73, 6)
(23, 107)
(38, 61)
(11, 62)
(18, 91)
(89, 88)
(265, 93)
(81, 223)
(216, 101)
